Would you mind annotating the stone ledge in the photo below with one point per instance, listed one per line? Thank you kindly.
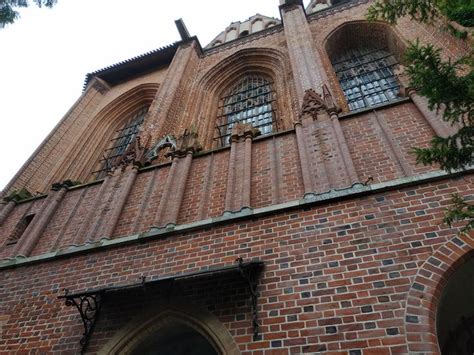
(311, 199)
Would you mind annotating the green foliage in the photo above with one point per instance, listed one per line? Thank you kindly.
(448, 86)
(461, 11)
(9, 13)
(450, 93)
(440, 83)
(18, 195)
(451, 153)
(460, 211)
(392, 10)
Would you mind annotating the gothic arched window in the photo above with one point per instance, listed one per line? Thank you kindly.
(120, 142)
(366, 76)
(248, 101)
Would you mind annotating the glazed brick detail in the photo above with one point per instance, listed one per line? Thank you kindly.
(336, 276)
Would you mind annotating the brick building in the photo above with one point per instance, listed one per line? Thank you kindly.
(257, 195)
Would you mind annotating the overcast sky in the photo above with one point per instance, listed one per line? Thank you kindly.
(46, 54)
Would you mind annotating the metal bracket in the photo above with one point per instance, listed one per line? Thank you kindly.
(89, 306)
(249, 274)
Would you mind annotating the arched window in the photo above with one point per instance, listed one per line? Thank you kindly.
(120, 142)
(366, 76)
(248, 101)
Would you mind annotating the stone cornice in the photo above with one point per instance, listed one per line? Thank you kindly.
(309, 200)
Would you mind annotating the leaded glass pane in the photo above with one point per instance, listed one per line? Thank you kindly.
(366, 77)
(249, 101)
(119, 144)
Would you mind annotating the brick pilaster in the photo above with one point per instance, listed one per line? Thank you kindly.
(436, 122)
(90, 223)
(240, 167)
(304, 58)
(172, 198)
(33, 232)
(275, 161)
(434, 119)
(394, 150)
(162, 105)
(7, 207)
(165, 197)
(308, 183)
(206, 189)
(110, 220)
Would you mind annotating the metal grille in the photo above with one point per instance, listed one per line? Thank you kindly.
(249, 101)
(119, 144)
(366, 77)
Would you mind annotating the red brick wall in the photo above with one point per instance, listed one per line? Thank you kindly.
(336, 276)
(275, 177)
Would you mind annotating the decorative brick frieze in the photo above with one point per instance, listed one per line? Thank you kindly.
(134, 155)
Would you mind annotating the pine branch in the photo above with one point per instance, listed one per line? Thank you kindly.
(459, 211)
(8, 13)
(439, 81)
(391, 10)
(451, 153)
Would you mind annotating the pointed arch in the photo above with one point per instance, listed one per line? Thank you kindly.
(264, 61)
(97, 134)
(369, 41)
(167, 314)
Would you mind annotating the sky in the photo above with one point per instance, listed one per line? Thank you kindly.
(45, 55)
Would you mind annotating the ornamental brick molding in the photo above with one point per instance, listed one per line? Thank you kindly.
(164, 313)
(187, 142)
(243, 130)
(134, 155)
(426, 289)
(313, 104)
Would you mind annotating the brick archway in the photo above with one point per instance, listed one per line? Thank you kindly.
(346, 35)
(266, 61)
(163, 314)
(426, 289)
(84, 154)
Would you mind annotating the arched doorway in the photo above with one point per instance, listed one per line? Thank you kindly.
(175, 338)
(455, 315)
(172, 328)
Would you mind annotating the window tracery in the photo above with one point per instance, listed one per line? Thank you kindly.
(120, 142)
(366, 75)
(249, 101)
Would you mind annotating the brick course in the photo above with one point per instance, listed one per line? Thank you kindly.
(349, 228)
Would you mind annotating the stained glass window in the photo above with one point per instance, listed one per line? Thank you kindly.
(120, 142)
(249, 101)
(366, 77)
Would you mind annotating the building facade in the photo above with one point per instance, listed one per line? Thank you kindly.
(258, 195)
